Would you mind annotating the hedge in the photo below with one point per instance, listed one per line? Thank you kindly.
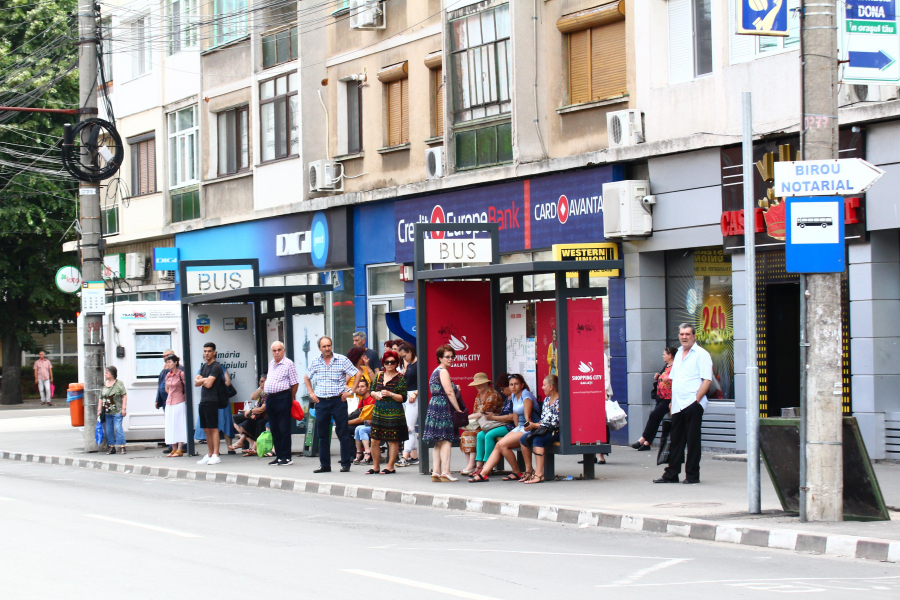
(63, 375)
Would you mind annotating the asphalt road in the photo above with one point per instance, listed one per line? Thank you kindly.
(85, 534)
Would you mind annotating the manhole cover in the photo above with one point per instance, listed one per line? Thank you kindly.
(688, 505)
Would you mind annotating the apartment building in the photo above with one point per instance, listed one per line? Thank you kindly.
(359, 118)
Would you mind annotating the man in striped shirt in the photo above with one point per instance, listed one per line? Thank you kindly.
(330, 397)
(281, 386)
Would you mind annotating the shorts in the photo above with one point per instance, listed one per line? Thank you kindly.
(252, 427)
(209, 415)
(530, 440)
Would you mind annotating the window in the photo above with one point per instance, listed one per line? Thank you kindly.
(230, 22)
(279, 47)
(105, 60)
(481, 63)
(280, 117)
(109, 220)
(143, 165)
(690, 39)
(234, 142)
(354, 117)
(185, 206)
(60, 348)
(182, 31)
(748, 47)
(596, 55)
(140, 47)
(398, 112)
(183, 147)
(437, 77)
(484, 147)
(148, 353)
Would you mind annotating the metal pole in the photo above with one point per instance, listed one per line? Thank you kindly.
(803, 403)
(89, 195)
(753, 493)
(824, 385)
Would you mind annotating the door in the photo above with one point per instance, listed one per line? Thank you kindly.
(378, 330)
(782, 347)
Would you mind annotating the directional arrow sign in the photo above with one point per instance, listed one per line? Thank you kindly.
(870, 60)
(843, 177)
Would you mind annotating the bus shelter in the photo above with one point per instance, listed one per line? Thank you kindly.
(468, 308)
(243, 323)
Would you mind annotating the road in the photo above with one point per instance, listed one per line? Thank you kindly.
(84, 534)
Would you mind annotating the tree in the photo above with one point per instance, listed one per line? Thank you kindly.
(38, 201)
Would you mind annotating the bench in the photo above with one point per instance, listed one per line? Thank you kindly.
(550, 461)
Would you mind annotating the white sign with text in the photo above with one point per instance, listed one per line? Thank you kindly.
(210, 281)
(458, 251)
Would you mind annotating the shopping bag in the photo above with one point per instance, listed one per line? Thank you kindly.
(664, 444)
(52, 390)
(264, 443)
(615, 416)
(99, 433)
(297, 410)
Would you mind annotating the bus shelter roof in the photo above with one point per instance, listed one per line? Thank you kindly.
(523, 268)
(256, 293)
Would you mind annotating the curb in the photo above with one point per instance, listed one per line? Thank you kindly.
(781, 539)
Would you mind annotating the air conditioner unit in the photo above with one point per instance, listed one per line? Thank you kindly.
(166, 275)
(626, 210)
(135, 265)
(324, 177)
(625, 128)
(434, 163)
(367, 14)
(852, 93)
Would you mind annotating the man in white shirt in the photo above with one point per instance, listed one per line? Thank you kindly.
(691, 377)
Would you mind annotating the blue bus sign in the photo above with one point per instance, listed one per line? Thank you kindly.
(762, 17)
(815, 234)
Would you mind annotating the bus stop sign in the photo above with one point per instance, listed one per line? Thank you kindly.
(815, 234)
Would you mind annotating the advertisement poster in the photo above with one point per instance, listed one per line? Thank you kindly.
(515, 338)
(459, 314)
(307, 331)
(587, 372)
(235, 348)
(546, 345)
(530, 370)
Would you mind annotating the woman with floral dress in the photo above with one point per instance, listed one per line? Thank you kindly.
(541, 435)
(439, 426)
(388, 418)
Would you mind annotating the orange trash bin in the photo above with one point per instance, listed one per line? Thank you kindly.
(75, 399)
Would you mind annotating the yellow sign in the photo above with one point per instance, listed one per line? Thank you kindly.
(598, 251)
(711, 263)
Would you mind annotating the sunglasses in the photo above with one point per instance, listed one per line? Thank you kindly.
(390, 362)
(450, 356)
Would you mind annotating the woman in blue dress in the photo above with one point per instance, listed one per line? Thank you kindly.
(439, 426)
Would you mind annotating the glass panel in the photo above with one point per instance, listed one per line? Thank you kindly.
(172, 124)
(545, 281)
(460, 39)
(268, 51)
(195, 214)
(502, 76)
(185, 119)
(245, 140)
(176, 208)
(70, 338)
(191, 157)
(294, 44)
(465, 150)
(222, 134)
(475, 79)
(767, 43)
(173, 161)
(378, 327)
(478, 113)
(280, 128)
(504, 144)
(267, 90)
(508, 64)
(281, 86)
(295, 125)
(490, 72)
(293, 78)
(793, 25)
(487, 146)
(501, 15)
(487, 26)
(149, 297)
(702, 37)
(491, 110)
(461, 81)
(354, 140)
(283, 46)
(267, 135)
(474, 24)
(343, 304)
(385, 280)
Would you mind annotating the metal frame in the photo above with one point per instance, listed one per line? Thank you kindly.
(493, 273)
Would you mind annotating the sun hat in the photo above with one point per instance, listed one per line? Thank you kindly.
(479, 379)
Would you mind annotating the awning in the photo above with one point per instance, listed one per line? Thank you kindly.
(402, 323)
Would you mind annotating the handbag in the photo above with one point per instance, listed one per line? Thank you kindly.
(665, 445)
(488, 425)
(297, 410)
(460, 417)
(542, 430)
(354, 415)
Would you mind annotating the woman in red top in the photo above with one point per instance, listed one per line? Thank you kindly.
(662, 393)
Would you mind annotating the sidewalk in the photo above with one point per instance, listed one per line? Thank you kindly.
(624, 486)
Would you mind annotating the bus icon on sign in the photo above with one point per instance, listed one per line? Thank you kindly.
(822, 222)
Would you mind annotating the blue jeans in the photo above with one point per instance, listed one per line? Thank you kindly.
(362, 433)
(115, 435)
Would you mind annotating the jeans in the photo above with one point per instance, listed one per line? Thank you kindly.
(685, 436)
(362, 433)
(655, 418)
(486, 440)
(115, 435)
(44, 388)
(278, 406)
(326, 409)
(531, 440)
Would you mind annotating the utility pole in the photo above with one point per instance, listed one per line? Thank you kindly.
(824, 387)
(89, 195)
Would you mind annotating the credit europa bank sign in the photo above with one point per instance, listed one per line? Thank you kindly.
(532, 213)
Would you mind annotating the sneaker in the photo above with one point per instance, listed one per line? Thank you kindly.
(214, 460)
(204, 460)
(275, 463)
(402, 463)
(413, 461)
(284, 463)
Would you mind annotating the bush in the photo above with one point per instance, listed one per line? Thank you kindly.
(63, 375)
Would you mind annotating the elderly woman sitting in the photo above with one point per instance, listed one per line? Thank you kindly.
(362, 424)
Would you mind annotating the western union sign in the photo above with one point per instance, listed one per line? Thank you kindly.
(598, 251)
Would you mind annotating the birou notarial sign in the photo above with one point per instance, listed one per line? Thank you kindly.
(841, 177)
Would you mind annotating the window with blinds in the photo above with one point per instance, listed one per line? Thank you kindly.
(398, 112)
(143, 166)
(597, 63)
(437, 76)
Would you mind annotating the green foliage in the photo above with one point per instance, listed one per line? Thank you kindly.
(37, 198)
(63, 375)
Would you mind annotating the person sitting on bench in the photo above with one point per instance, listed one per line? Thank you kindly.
(541, 435)
(523, 403)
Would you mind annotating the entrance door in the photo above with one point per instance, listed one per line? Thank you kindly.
(378, 330)
(782, 347)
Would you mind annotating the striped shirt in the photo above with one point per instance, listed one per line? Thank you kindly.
(331, 379)
(282, 376)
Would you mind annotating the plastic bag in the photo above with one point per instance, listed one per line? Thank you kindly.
(297, 410)
(99, 433)
(615, 416)
(264, 443)
(665, 444)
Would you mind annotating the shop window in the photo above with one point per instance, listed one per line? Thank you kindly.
(280, 46)
(185, 206)
(143, 165)
(596, 57)
(233, 140)
(109, 220)
(698, 292)
(229, 21)
(280, 117)
(183, 133)
(484, 147)
(384, 280)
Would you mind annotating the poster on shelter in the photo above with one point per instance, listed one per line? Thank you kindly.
(547, 347)
(459, 315)
(307, 331)
(587, 371)
(515, 338)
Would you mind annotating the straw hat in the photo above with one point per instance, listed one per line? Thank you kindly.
(479, 379)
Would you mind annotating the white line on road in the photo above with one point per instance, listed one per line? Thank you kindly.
(658, 567)
(144, 526)
(418, 584)
(561, 553)
(885, 579)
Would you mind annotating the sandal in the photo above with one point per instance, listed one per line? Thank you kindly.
(435, 478)
(358, 459)
(249, 453)
(270, 454)
(467, 472)
(112, 450)
(372, 472)
(388, 472)
(479, 478)
(367, 458)
(528, 474)
(536, 479)
(445, 477)
(514, 477)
